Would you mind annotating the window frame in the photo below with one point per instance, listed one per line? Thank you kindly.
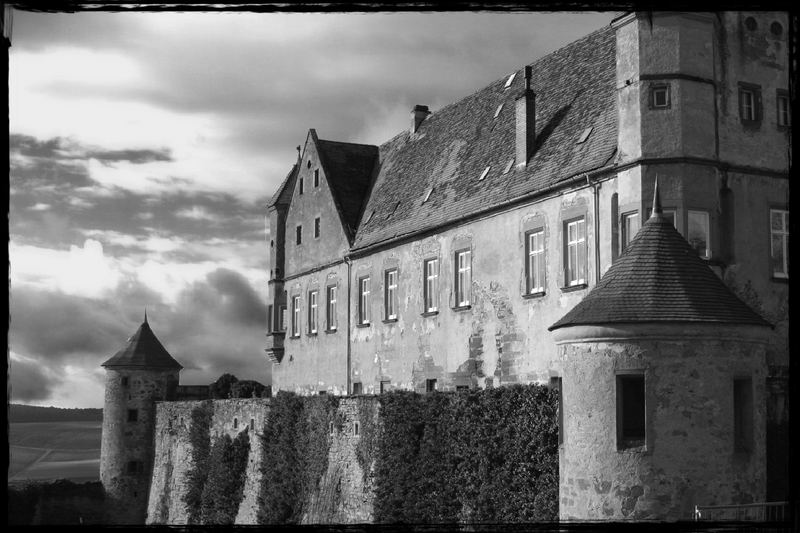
(754, 91)
(657, 87)
(313, 306)
(301, 185)
(708, 252)
(133, 416)
(782, 95)
(317, 227)
(628, 441)
(531, 267)
(557, 383)
(430, 385)
(298, 240)
(331, 296)
(363, 301)
(316, 178)
(357, 388)
(390, 290)
(462, 284)
(625, 239)
(784, 232)
(580, 280)
(281, 321)
(430, 285)
(742, 406)
(296, 316)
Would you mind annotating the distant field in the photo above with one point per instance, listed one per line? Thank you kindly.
(54, 450)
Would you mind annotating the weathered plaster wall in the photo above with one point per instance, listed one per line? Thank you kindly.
(124, 441)
(689, 457)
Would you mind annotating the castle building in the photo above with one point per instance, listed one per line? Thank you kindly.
(438, 260)
(137, 376)
(663, 377)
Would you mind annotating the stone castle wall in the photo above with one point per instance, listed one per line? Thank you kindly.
(344, 494)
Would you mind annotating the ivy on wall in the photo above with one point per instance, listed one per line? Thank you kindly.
(476, 456)
(222, 492)
(296, 442)
(196, 478)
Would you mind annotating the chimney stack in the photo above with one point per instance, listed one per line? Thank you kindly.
(526, 121)
(418, 114)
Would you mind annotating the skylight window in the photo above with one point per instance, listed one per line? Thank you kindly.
(508, 166)
(370, 217)
(393, 210)
(427, 195)
(585, 135)
(499, 108)
(485, 172)
(510, 80)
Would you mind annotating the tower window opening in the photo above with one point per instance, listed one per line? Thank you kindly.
(133, 415)
(630, 411)
(743, 414)
(125, 381)
(235, 423)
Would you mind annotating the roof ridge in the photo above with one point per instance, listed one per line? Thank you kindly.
(348, 143)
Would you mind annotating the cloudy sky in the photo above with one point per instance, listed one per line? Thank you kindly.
(144, 147)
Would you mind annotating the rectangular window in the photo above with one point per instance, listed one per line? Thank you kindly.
(390, 294)
(316, 228)
(384, 386)
(312, 311)
(296, 316)
(631, 223)
(630, 411)
(363, 305)
(670, 215)
(281, 318)
(575, 231)
(555, 384)
(299, 235)
(431, 268)
(357, 387)
(534, 266)
(331, 316)
(463, 278)
(659, 96)
(698, 233)
(430, 385)
(316, 177)
(743, 414)
(779, 242)
(135, 467)
(125, 381)
(784, 115)
(133, 415)
(749, 102)
(270, 319)
(301, 185)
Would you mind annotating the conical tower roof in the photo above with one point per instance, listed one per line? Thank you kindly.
(660, 279)
(143, 350)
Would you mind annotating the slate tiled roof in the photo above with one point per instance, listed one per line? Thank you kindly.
(575, 90)
(660, 278)
(143, 350)
(349, 170)
(284, 192)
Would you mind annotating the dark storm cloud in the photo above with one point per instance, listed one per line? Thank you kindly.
(28, 382)
(61, 150)
(131, 156)
(240, 303)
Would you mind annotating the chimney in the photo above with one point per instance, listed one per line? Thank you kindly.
(418, 114)
(526, 121)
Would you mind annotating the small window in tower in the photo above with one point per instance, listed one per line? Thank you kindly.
(485, 172)
(316, 227)
(750, 103)
(750, 23)
(510, 80)
(299, 235)
(659, 96)
(133, 415)
(630, 411)
(699, 234)
(357, 388)
(776, 29)
(235, 423)
(356, 428)
(301, 185)
(743, 414)
(316, 177)
(385, 386)
(252, 423)
(125, 381)
(430, 385)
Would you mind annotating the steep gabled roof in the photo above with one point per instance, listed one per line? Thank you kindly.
(284, 192)
(575, 90)
(348, 168)
(660, 278)
(143, 350)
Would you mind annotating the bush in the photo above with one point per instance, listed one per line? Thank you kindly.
(222, 492)
(196, 478)
(58, 502)
(221, 389)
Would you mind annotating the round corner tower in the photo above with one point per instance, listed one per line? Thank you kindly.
(663, 388)
(137, 377)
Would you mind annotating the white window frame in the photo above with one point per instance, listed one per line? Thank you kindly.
(390, 294)
(707, 253)
(783, 233)
(431, 291)
(282, 318)
(575, 251)
(784, 114)
(313, 298)
(463, 279)
(363, 307)
(625, 217)
(295, 316)
(535, 261)
(331, 307)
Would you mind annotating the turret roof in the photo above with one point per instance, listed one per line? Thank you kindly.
(660, 278)
(143, 350)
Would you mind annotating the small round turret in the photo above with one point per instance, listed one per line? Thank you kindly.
(137, 376)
